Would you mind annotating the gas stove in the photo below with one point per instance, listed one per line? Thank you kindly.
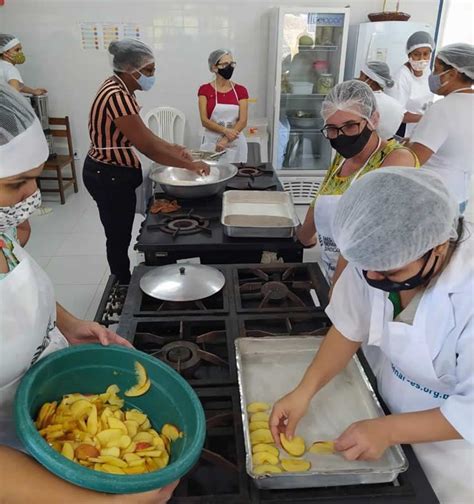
(196, 230)
(198, 342)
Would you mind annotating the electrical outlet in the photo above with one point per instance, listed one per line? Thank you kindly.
(76, 155)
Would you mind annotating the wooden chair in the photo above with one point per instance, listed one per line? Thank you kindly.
(60, 128)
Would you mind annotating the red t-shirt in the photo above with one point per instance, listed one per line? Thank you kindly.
(228, 98)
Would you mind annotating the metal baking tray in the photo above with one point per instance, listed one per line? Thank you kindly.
(270, 367)
(257, 214)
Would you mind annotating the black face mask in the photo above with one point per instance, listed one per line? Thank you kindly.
(226, 72)
(350, 146)
(410, 283)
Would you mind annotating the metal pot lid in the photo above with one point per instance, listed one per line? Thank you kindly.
(182, 282)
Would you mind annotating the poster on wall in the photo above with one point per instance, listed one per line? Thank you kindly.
(98, 36)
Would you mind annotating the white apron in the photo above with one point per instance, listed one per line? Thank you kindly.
(404, 370)
(226, 115)
(324, 212)
(27, 332)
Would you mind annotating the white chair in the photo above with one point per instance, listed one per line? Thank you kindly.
(168, 123)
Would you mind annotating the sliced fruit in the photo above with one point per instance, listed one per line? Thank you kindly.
(141, 373)
(260, 470)
(295, 447)
(115, 461)
(261, 436)
(129, 457)
(262, 458)
(257, 407)
(132, 427)
(111, 469)
(135, 470)
(253, 426)
(68, 451)
(322, 447)
(85, 451)
(261, 447)
(171, 432)
(92, 423)
(136, 391)
(260, 417)
(295, 465)
(143, 446)
(136, 415)
(109, 437)
(115, 423)
(80, 409)
(111, 452)
(143, 437)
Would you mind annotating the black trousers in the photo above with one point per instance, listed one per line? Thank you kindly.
(113, 189)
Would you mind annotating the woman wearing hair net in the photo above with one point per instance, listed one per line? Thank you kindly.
(112, 169)
(223, 109)
(444, 138)
(407, 293)
(376, 74)
(32, 324)
(411, 88)
(351, 119)
(11, 55)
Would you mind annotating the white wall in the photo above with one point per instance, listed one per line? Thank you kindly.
(182, 34)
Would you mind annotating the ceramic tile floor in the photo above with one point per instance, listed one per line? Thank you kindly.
(70, 245)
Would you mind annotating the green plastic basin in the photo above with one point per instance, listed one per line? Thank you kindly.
(90, 369)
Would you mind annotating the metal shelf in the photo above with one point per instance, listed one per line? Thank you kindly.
(312, 96)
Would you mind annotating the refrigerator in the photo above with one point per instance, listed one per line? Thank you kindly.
(307, 50)
(380, 41)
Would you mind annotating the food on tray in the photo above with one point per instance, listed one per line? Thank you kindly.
(263, 447)
(261, 436)
(295, 447)
(95, 431)
(143, 382)
(260, 470)
(264, 457)
(295, 465)
(322, 447)
(164, 206)
(257, 221)
(253, 426)
(257, 407)
(260, 417)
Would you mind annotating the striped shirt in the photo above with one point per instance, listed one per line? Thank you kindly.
(108, 144)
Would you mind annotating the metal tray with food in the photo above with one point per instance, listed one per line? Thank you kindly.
(270, 367)
(256, 214)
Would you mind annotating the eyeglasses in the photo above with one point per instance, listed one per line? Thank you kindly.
(221, 66)
(349, 129)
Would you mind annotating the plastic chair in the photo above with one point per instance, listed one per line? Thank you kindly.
(168, 123)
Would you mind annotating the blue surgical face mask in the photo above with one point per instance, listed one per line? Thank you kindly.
(434, 81)
(146, 82)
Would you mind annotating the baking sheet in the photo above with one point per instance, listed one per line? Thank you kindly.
(258, 214)
(270, 367)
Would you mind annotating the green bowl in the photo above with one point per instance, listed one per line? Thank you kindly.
(90, 369)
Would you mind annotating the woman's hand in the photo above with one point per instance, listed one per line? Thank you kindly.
(286, 414)
(160, 496)
(85, 331)
(231, 134)
(222, 144)
(365, 440)
(183, 152)
(39, 91)
(200, 168)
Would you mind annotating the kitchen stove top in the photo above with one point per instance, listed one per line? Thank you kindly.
(199, 344)
(201, 233)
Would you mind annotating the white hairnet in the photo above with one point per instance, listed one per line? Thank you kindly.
(392, 216)
(379, 72)
(23, 145)
(7, 42)
(130, 55)
(459, 56)
(351, 96)
(215, 56)
(419, 39)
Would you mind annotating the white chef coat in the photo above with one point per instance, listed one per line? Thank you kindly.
(9, 72)
(391, 115)
(27, 331)
(447, 129)
(412, 92)
(426, 365)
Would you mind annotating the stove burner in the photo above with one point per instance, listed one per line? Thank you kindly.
(275, 291)
(182, 224)
(249, 171)
(180, 355)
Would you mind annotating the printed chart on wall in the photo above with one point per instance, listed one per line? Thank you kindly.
(97, 36)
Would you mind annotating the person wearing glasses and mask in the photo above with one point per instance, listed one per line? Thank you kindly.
(351, 118)
(411, 87)
(376, 74)
(223, 107)
(112, 169)
(11, 55)
(406, 291)
(443, 139)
